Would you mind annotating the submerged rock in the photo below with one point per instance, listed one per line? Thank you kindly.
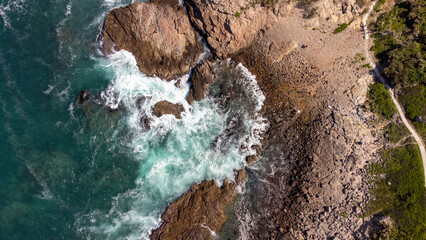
(84, 97)
(198, 213)
(200, 80)
(165, 107)
(159, 35)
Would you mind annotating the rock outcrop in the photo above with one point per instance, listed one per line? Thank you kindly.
(228, 26)
(159, 35)
(165, 107)
(198, 213)
(200, 80)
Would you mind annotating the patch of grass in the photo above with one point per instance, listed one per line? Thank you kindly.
(396, 132)
(343, 214)
(413, 99)
(340, 28)
(379, 5)
(381, 102)
(358, 58)
(237, 14)
(366, 65)
(399, 191)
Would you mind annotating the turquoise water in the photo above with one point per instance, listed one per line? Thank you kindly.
(94, 172)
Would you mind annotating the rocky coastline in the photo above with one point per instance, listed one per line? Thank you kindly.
(319, 142)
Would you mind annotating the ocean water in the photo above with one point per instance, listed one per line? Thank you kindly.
(94, 171)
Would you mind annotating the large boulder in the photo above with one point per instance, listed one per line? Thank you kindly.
(198, 213)
(159, 35)
(164, 107)
(201, 78)
(229, 26)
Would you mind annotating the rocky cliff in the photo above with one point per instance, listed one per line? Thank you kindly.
(159, 35)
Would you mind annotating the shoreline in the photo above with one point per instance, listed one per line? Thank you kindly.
(319, 141)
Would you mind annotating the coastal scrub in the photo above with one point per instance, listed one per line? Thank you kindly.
(381, 101)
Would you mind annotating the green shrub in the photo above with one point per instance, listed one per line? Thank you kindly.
(382, 45)
(340, 28)
(399, 190)
(407, 64)
(237, 14)
(381, 101)
(379, 5)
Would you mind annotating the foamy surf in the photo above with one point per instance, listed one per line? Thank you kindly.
(174, 153)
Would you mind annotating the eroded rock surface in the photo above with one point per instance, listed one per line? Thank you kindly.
(200, 80)
(159, 35)
(165, 107)
(198, 213)
(228, 26)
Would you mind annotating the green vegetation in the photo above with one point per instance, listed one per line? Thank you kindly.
(382, 46)
(340, 28)
(381, 102)
(399, 191)
(400, 46)
(358, 58)
(366, 65)
(400, 42)
(414, 101)
(237, 14)
(399, 185)
(395, 132)
(379, 5)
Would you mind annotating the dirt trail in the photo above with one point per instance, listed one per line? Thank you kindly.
(395, 101)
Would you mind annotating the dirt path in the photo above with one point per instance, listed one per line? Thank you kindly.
(395, 101)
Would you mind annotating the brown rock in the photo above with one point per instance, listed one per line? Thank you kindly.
(197, 212)
(200, 80)
(251, 159)
(158, 34)
(165, 107)
(228, 26)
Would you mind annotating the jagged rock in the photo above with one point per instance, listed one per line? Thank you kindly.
(198, 213)
(200, 80)
(228, 26)
(251, 159)
(84, 97)
(158, 34)
(165, 107)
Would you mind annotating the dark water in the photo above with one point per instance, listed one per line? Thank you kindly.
(69, 172)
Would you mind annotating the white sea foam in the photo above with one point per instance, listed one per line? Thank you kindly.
(63, 95)
(69, 6)
(49, 89)
(173, 154)
(16, 6)
(45, 194)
